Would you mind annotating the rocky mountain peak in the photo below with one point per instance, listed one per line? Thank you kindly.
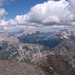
(7, 34)
(38, 33)
(27, 33)
(59, 32)
(21, 31)
(8, 37)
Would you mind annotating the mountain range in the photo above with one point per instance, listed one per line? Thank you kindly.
(51, 40)
(57, 61)
(31, 52)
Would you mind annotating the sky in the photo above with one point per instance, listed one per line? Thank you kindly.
(36, 15)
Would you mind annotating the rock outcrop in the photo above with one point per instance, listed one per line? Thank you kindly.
(67, 50)
(55, 64)
(58, 63)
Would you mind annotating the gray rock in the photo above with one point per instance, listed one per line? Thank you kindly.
(67, 50)
(21, 52)
(60, 66)
(16, 68)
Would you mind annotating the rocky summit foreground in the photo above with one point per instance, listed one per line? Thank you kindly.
(16, 68)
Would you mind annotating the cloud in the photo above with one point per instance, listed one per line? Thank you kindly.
(47, 13)
(50, 14)
(2, 21)
(4, 1)
(72, 3)
(32, 28)
(2, 13)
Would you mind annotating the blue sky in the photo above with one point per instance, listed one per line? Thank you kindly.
(20, 7)
(42, 15)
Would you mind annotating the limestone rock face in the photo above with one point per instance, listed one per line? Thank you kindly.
(67, 50)
(61, 66)
(20, 52)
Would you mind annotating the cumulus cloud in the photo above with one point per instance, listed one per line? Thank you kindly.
(2, 13)
(49, 14)
(2, 21)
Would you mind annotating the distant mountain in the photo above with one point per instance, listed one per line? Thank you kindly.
(43, 40)
(37, 38)
(8, 37)
(14, 32)
(58, 34)
(26, 33)
(50, 41)
(21, 31)
(30, 36)
(62, 34)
